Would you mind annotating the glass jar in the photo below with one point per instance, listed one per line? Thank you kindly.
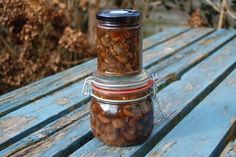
(119, 42)
(121, 114)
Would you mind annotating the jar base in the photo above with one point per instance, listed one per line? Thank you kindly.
(121, 142)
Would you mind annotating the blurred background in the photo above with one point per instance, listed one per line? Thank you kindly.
(39, 38)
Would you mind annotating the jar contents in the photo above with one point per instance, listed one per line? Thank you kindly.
(119, 43)
(122, 124)
(121, 112)
(119, 51)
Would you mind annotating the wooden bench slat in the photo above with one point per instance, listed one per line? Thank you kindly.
(190, 56)
(42, 140)
(31, 139)
(206, 130)
(161, 37)
(172, 68)
(165, 50)
(177, 100)
(51, 107)
(22, 96)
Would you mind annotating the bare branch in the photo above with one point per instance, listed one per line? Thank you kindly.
(214, 5)
(229, 10)
(222, 12)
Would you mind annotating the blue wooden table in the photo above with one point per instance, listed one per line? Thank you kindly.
(197, 94)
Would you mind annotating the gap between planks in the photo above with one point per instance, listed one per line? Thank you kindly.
(10, 101)
(167, 125)
(207, 128)
(43, 123)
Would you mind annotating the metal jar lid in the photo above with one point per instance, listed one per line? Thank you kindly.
(122, 16)
(121, 83)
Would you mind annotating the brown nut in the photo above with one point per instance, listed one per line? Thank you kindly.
(116, 39)
(98, 127)
(115, 35)
(113, 135)
(105, 41)
(127, 112)
(118, 123)
(95, 107)
(118, 49)
(103, 119)
(133, 111)
(132, 130)
(130, 134)
(103, 54)
(122, 59)
(126, 47)
(128, 66)
(108, 128)
(132, 122)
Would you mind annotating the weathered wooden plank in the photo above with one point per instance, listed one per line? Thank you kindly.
(173, 67)
(41, 112)
(163, 36)
(20, 97)
(165, 50)
(48, 85)
(206, 130)
(230, 149)
(31, 140)
(36, 115)
(55, 137)
(177, 99)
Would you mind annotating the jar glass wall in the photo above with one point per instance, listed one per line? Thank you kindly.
(124, 123)
(119, 43)
(119, 51)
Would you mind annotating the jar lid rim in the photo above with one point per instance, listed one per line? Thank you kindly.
(119, 15)
(121, 83)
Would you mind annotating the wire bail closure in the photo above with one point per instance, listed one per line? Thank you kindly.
(87, 91)
(155, 90)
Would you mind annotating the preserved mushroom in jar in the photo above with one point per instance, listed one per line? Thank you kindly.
(125, 123)
(119, 43)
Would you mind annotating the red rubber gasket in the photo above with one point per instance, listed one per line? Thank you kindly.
(128, 91)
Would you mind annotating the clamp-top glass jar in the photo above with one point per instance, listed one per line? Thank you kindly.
(121, 112)
(119, 42)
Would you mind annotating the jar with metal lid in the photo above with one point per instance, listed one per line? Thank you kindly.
(119, 42)
(121, 112)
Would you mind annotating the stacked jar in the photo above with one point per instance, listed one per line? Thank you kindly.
(121, 112)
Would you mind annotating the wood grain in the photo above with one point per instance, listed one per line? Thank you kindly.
(177, 100)
(49, 108)
(23, 96)
(207, 129)
(34, 143)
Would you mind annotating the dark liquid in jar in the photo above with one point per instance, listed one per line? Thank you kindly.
(119, 51)
(122, 124)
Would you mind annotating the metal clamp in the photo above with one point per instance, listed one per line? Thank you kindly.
(87, 90)
(155, 90)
